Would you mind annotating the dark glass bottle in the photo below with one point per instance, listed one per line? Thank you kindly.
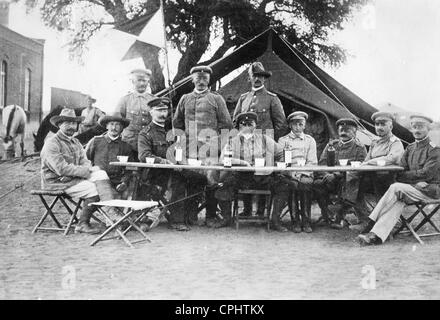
(331, 155)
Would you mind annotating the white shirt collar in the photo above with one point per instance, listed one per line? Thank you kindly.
(199, 92)
(158, 124)
(256, 89)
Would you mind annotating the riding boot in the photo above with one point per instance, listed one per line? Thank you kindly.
(261, 205)
(323, 205)
(278, 205)
(225, 207)
(84, 218)
(305, 221)
(105, 192)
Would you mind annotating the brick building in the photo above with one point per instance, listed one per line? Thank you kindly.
(21, 69)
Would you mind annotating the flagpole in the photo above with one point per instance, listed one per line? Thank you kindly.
(166, 62)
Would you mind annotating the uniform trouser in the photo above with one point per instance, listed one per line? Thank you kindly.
(376, 183)
(232, 181)
(87, 189)
(350, 187)
(391, 205)
(323, 189)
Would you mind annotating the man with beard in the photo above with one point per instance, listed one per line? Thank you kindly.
(419, 182)
(246, 147)
(202, 114)
(65, 167)
(346, 147)
(270, 113)
(106, 148)
(387, 149)
(134, 107)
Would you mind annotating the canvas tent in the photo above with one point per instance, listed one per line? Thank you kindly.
(298, 82)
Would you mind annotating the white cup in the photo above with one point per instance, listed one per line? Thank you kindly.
(281, 165)
(343, 162)
(194, 162)
(122, 158)
(149, 160)
(381, 163)
(355, 164)
(259, 162)
(301, 162)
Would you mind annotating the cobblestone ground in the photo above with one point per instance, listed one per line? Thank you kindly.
(250, 263)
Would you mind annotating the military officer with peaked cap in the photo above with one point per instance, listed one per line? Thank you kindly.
(346, 147)
(419, 182)
(198, 113)
(387, 148)
(301, 146)
(270, 113)
(134, 106)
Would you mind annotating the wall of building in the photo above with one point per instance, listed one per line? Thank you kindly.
(21, 54)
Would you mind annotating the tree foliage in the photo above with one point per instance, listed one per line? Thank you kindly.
(194, 25)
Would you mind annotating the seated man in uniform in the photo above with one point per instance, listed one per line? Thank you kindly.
(346, 147)
(301, 146)
(153, 143)
(419, 182)
(246, 147)
(64, 166)
(106, 148)
(386, 150)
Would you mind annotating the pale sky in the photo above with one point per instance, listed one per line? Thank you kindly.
(393, 45)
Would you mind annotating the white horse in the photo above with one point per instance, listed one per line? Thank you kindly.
(14, 119)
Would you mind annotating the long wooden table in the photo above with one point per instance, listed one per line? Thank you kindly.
(362, 168)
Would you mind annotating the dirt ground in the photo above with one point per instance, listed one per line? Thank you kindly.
(250, 263)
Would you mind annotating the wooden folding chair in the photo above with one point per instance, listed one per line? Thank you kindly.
(59, 196)
(127, 210)
(265, 218)
(427, 218)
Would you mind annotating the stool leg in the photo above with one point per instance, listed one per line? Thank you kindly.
(48, 212)
(236, 212)
(269, 210)
(73, 217)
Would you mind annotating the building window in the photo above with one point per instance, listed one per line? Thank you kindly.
(27, 89)
(3, 87)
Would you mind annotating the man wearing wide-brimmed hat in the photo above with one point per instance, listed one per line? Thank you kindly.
(134, 106)
(106, 148)
(419, 182)
(65, 167)
(91, 115)
(270, 114)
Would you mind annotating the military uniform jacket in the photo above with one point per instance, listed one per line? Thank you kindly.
(267, 106)
(134, 106)
(152, 143)
(63, 162)
(199, 111)
(421, 161)
(352, 150)
(389, 149)
(102, 150)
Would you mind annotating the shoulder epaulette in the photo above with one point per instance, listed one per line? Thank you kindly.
(244, 94)
(432, 144)
(271, 93)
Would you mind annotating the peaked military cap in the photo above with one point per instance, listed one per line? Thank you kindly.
(146, 72)
(382, 115)
(205, 69)
(346, 122)
(247, 116)
(297, 115)
(159, 103)
(257, 69)
(420, 118)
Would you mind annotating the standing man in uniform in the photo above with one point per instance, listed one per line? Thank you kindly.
(91, 115)
(134, 107)
(302, 146)
(347, 147)
(387, 149)
(270, 113)
(199, 113)
(419, 182)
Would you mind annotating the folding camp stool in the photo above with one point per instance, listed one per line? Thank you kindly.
(63, 199)
(427, 218)
(126, 209)
(265, 218)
